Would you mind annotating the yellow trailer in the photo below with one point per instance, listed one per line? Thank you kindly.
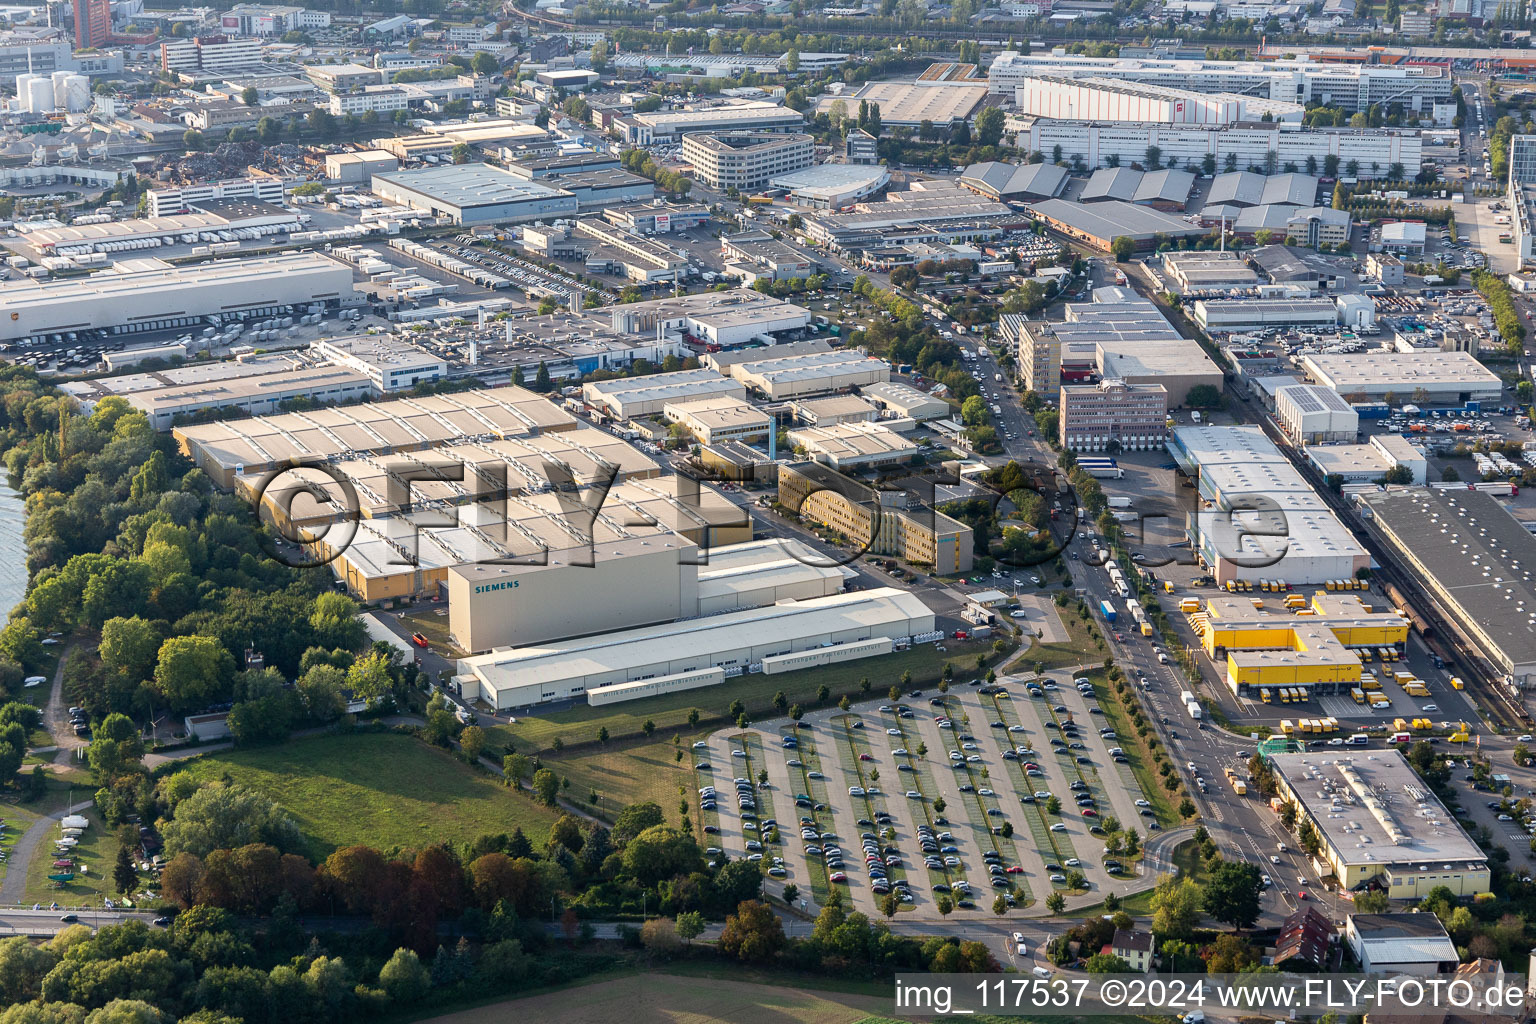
(1457, 684)
(1287, 726)
(1146, 629)
(1295, 601)
(1370, 683)
(1189, 604)
(1358, 694)
(1167, 586)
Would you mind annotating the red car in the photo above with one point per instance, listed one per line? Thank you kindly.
(865, 757)
(838, 876)
(1015, 870)
(1302, 894)
(1089, 812)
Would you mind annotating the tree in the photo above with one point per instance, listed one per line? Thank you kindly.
(1233, 892)
(404, 977)
(1203, 396)
(472, 741)
(1123, 248)
(659, 935)
(661, 852)
(192, 670)
(1055, 903)
(1175, 907)
(460, 153)
(690, 924)
(989, 126)
(1107, 963)
(249, 96)
(753, 934)
(222, 816)
(485, 63)
(124, 876)
(546, 786)
(370, 679)
(192, 140)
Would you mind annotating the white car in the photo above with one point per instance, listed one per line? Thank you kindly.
(1524, 739)
(1430, 707)
(1273, 859)
(1143, 803)
(1337, 741)
(1058, 827)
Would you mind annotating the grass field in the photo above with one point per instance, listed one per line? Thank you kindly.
(1186, 857)
(630, 772)
(1136, 750)
(382, 790)
(94, 858)
(17, 820)
(536, 732)
(655, 998)
(1084, 647)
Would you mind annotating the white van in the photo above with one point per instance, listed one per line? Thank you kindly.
(1041, 972)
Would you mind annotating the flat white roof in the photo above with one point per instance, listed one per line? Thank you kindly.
(1400, 371)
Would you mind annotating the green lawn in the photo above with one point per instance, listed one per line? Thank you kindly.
(537, 731)
(383, 790)
(1136, 751)
(17, 820)
(630, 772)
(94, 859)
(1186, 857)
(1084, 647)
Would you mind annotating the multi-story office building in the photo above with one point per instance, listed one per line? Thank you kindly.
(1038, 352)
(218, 55)
(880, 522)
(746, 160)
(93, 23)
(1522, 159)
(1094, 416)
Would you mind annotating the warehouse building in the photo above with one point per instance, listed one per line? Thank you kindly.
(359, 168)
(827, 412)
(1105, 99)
(745, 161)
(215, 220)
(1265, 650)
(782, 377)
(832, 186)
(226, 449)
(1473, 557)
(722, 418)
(161, 297)
(905, 401)
(254, 396)
(1103, 222)
(1248, 314)
(390, 363)
(470, 194)
(1207, 271)
(1133, 416)
(1015, 182)
(497, 606)
(670, 125)
(1262, 521)
(1247, 188)
(578, 526)
(725, 319)
(1437, 378)
(628, 398)
(1315, 415)
(1411, 943)
(1166, 189)
(853, 446)
(1372, 461)
(700, 652)
(935, 212)
(1379, 825)
(887, 523)
(908, 104)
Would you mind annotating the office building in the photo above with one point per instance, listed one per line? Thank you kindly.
(719, 419)
(93, 23)
(1095, 416)
(1261, 520)
(390, 363)
(1379, 824)
(181, 199)
(471, 194)
(671, 125)
(745, 161)
(1522, 159)
(214, 55)
(1473, 557)
(707, 651)
(878, 522)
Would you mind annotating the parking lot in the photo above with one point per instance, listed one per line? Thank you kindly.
(983, 791)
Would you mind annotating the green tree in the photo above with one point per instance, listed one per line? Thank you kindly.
(192, 670)
(989, 126)
(546, 786)
(249, 96)
(1123, 248)
(404, 978)
(1176, 907)
(124, 876)
(1055, 903)
(1233, 892)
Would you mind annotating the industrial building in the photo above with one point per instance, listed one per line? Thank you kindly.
(827, 412)
(628, 398)
(670, 125)
(1370, 462)
(1473, 557)
(1247, 145)
(853, 446)
(1264, 650)
(1248, 314)
(905, 401)
(1426, 378)
(722, 418)
(1167, 189)
(946, 213)
(1015, 182)
(877, 522)
(177, 200)
(781, 377)
(1409, 943)
(1094, 416)
(256, 446)
(909, 104)
(724, 319)
(832, 186)
(1246, 188)
(1310, 414)
(159, 296)
(255, 396)
(471, 194)
(359, 168)
(745, 161)
(1101, 223)
(644, 260)
(1351, 86)
(1379, 825)
(1207, 271)
(1105, 99)
(216, 220)
(699, 652)
(758, 255)
(1262, 521)
(392, 364)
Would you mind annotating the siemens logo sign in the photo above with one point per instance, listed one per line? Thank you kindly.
(486, 588)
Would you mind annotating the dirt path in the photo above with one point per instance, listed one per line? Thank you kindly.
(56, 716)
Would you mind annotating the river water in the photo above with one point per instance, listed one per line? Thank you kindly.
(13, 554)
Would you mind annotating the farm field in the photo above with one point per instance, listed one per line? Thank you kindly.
(378, 789)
